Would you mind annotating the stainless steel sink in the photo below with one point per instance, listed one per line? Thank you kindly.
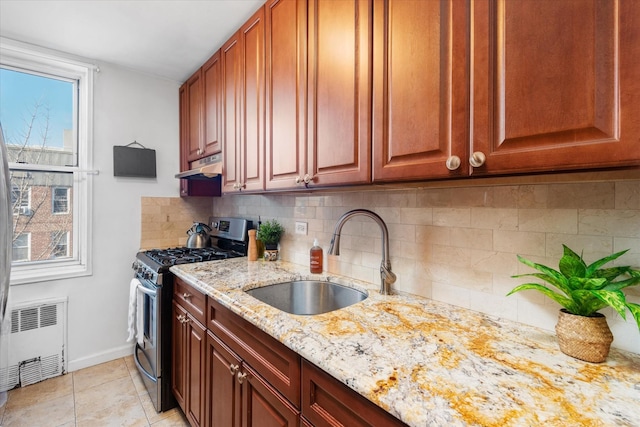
(307, 297)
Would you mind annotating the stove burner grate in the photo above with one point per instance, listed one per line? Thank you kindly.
(175, 256)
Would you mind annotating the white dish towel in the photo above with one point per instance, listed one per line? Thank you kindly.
(135, 325)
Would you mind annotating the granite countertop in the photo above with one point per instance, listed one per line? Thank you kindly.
(430, 363)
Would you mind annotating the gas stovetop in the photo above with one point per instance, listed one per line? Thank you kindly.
(228, 239)
(175, 256)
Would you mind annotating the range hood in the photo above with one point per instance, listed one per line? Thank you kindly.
(207, 168)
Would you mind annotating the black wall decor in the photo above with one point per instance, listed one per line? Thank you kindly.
(133, 161)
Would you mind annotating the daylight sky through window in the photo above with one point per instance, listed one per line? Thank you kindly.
(21, 92)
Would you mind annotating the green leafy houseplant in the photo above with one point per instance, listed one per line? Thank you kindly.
(582, 290)
(270, 233)
(585, 289)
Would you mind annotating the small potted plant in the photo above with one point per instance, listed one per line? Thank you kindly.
(584, 289)
(270, 233)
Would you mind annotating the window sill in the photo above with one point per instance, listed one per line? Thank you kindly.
(23, 275)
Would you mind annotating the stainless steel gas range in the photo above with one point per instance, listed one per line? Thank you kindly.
(152, 353)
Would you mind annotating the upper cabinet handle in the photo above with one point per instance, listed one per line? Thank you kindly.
(453, 163)
(477, 159)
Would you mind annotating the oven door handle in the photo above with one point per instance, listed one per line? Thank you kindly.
(139, 365)
(145, 290)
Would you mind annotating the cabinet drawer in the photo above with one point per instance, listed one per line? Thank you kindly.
(194, 301)
(279, 365)
(328, 402)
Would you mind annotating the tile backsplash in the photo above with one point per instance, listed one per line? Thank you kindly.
(165, 220)
(459, 245)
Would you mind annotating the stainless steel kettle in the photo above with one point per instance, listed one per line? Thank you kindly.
(198, 235)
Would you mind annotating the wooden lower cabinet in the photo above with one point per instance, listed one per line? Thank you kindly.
(178, 357)
(328, 402)
(189, 338)
(232, 374)
(223, 391)
(263, 406)
(237, 395)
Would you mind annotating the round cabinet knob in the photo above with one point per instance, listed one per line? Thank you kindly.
(298, 180)
(307, 178)
(477, 159)
(453, 163)
(186, 295)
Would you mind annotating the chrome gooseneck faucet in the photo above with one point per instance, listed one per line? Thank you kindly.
(386, 275)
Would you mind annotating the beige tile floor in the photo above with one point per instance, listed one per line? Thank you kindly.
(109, 394)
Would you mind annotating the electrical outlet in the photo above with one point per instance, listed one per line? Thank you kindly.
(301, 228)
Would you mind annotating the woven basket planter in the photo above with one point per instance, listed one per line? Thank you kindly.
(582, 337)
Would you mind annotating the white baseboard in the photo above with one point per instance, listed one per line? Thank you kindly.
(96, 359)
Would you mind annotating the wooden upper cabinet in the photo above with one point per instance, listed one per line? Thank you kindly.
(211, 109)
(231, 56)
(252, 34)
(202, 111)
(353, 91)
(556, 85)
(243, 100)
(420, 89)
(194, 116)
(339, 97)
(285, 139)
(184, 142)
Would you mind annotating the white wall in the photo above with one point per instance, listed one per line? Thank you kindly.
(128, 106)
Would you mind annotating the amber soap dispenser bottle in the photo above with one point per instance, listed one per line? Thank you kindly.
(315, 258)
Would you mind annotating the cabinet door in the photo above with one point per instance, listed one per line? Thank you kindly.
(194, 116)
(195, 358)
(211, 82)
(285, 139)
(253, 90)
(223, 399)
(555, 84)
(263, 406)
(193, 300)
(339, 82)
(420, 89)
(178, 362)
(277, 364)
(328, 402)
(184, 141)
(231, 56)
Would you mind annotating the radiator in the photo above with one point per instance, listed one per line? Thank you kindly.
(36, 344)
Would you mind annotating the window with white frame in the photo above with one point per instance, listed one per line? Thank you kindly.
(20, 200)
(46, 118)
(21, 247)
(59, 244)
(60, 200)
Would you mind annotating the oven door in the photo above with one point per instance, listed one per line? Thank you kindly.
(147, 353)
